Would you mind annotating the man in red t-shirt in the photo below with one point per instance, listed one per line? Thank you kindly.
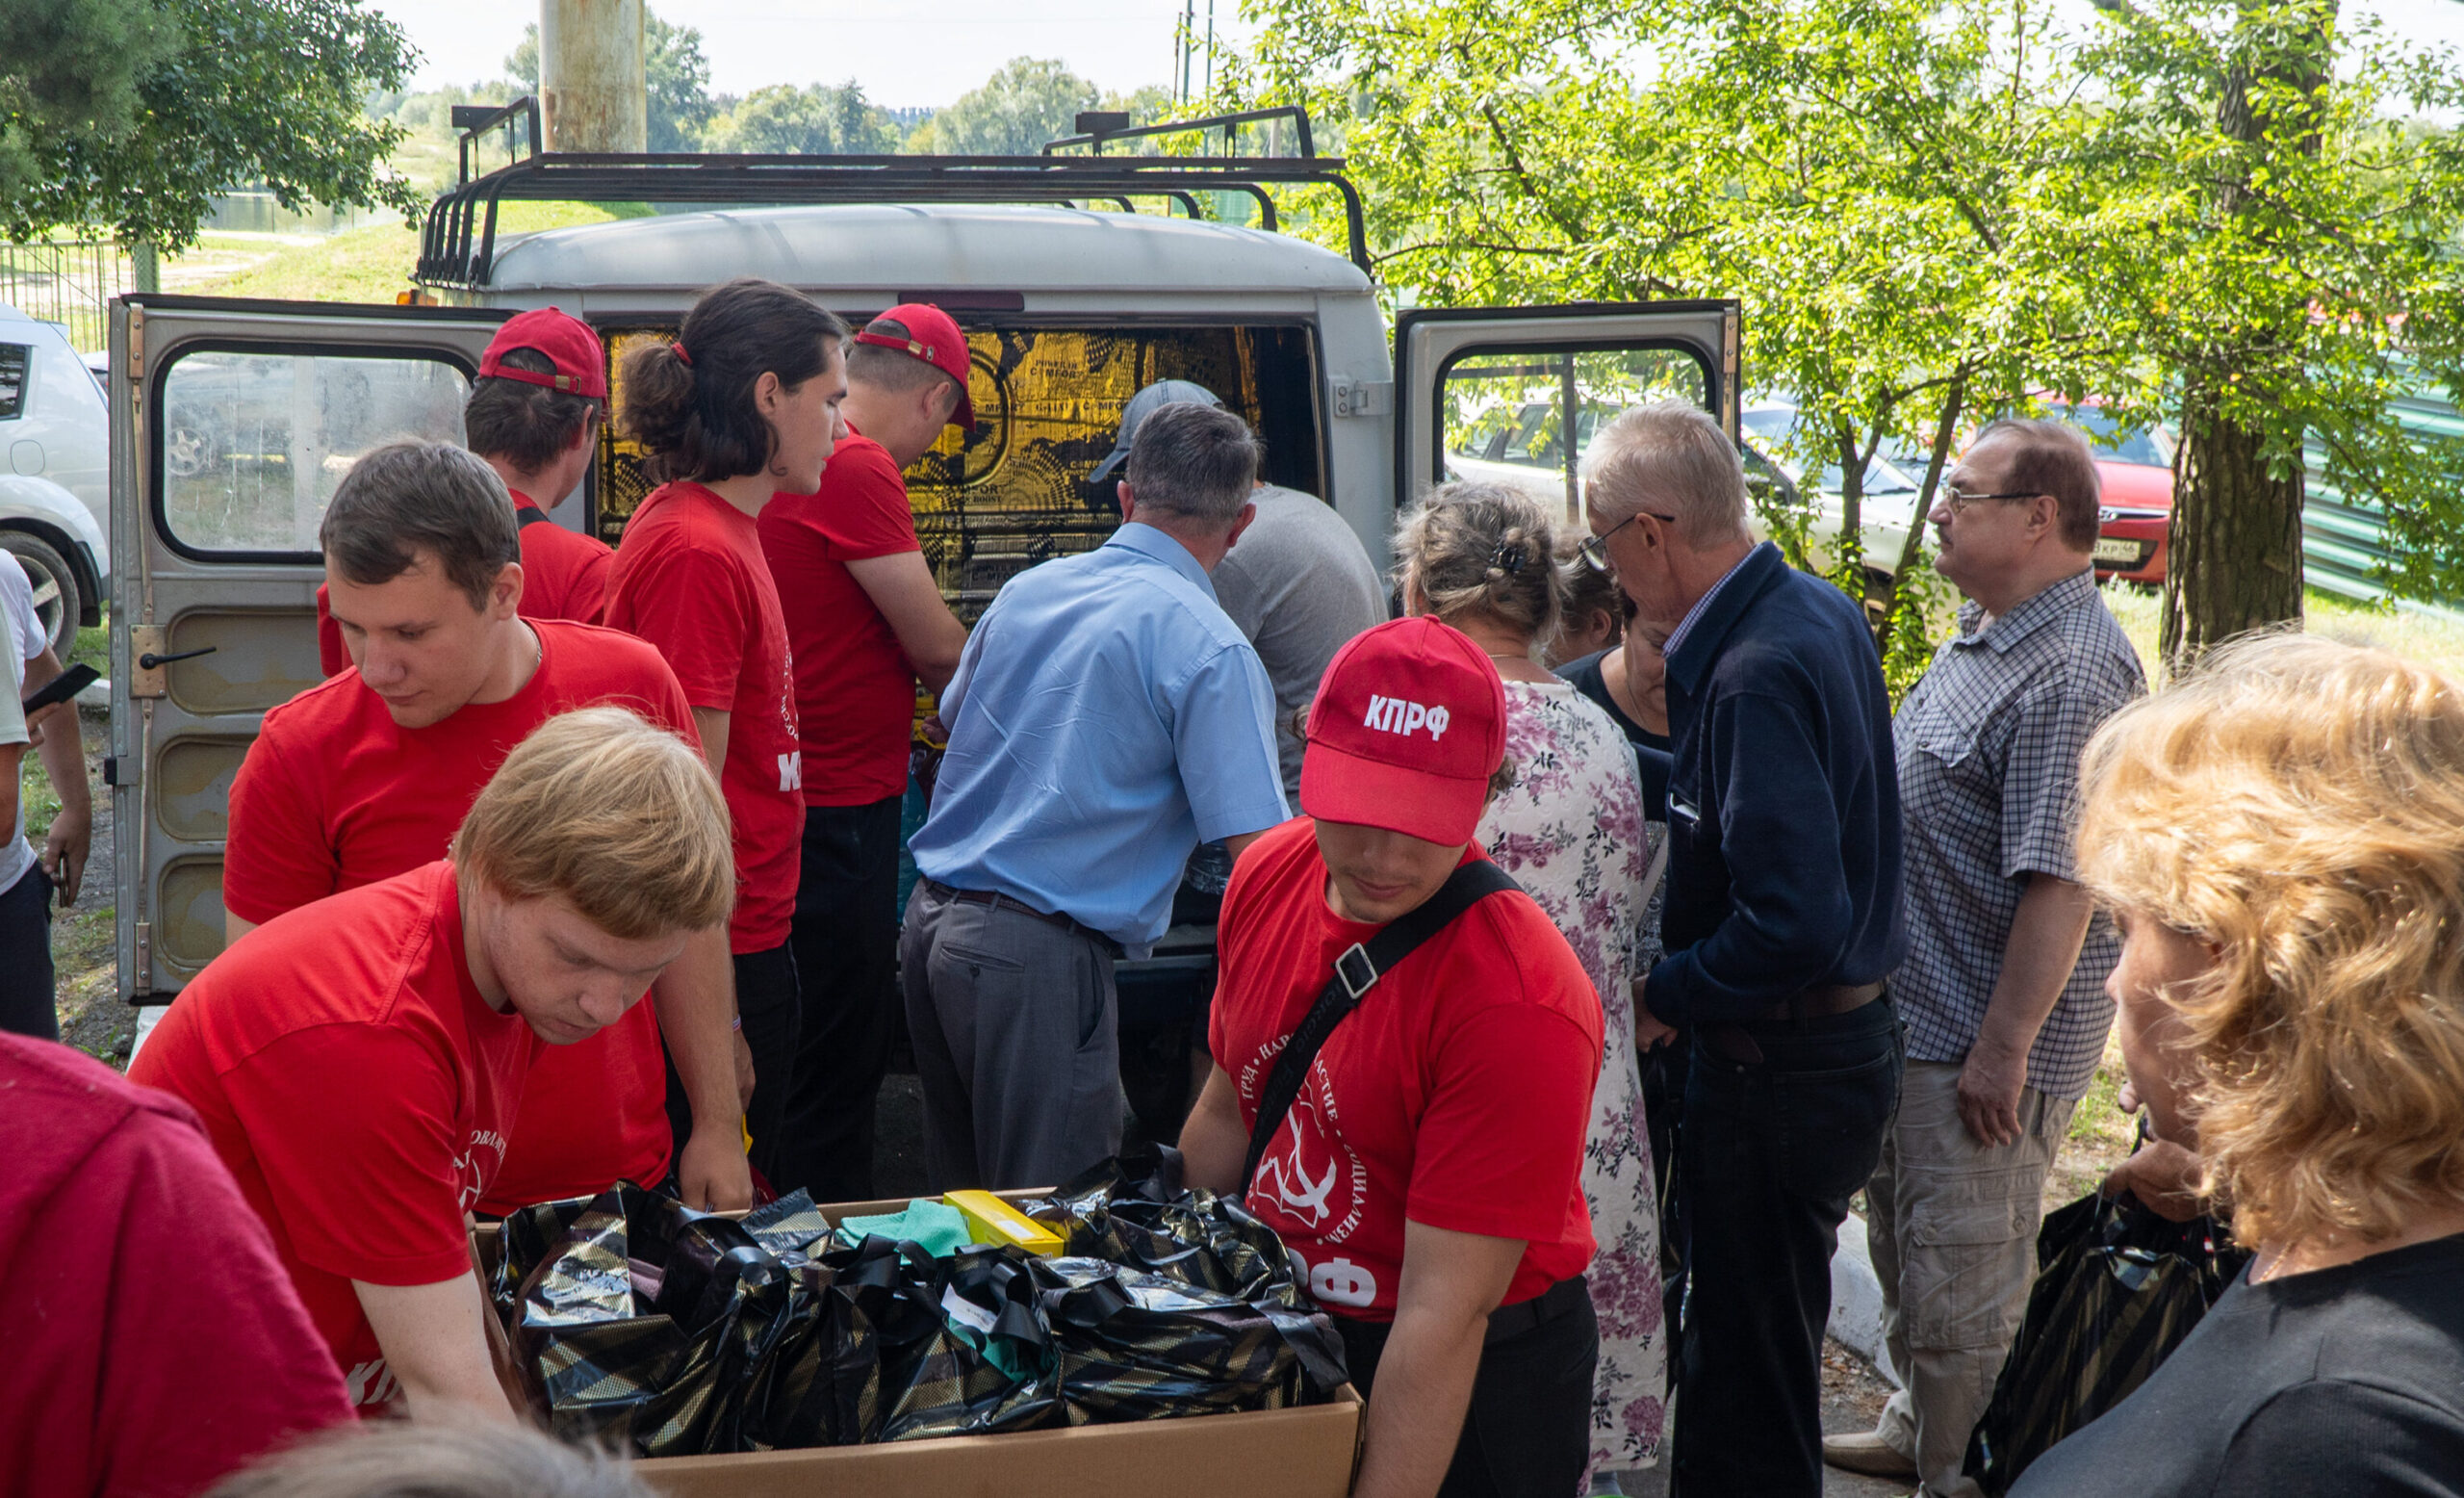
(366, 775)
(357, 1062)
(1428, 1172)
(867, 622)
(154, 1342)
(533, 414)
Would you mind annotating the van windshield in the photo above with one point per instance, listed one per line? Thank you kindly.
(1047, 402)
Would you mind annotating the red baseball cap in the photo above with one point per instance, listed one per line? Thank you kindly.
(1408, 726)
(926, 332)
(581, 366)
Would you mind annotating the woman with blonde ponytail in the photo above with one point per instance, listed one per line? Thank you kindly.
(1482, 558)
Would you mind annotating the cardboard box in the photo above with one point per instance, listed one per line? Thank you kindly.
(1312, 1451)
(1306, 1453)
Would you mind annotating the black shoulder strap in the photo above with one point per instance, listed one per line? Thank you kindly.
(525, 516)
(1356, 971)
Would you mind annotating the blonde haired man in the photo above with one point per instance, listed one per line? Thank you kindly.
(357, 1062)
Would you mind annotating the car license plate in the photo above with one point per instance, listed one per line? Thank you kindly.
(2120, 551)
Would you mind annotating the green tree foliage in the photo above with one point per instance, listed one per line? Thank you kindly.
(1932, 212)
(1026, 103)
(219, 93)
(673, 70)
(2290, 266)
(814, 120)
(69, 70)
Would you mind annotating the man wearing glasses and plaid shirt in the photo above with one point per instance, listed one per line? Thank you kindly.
(2003, 987)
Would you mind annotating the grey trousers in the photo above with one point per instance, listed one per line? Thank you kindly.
(1953, 1234)
(1014, 1023)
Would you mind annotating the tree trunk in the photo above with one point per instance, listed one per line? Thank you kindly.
(2235, 539)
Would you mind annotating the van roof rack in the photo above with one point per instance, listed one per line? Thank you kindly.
(457, 246)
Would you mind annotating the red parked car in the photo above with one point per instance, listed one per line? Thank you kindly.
(2135, 471)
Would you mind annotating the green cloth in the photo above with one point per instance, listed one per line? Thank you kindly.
(939, 1230)
(935, 1225)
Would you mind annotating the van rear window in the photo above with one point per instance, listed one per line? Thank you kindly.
(1047, 401)
(252, 442)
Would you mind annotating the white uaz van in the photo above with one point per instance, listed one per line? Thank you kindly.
(1070, 306)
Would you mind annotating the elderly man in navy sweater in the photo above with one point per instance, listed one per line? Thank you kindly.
(1782, 920)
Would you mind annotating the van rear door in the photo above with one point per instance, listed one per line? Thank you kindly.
(232, 422)
(1514, 393)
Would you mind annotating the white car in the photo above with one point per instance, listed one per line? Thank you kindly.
(55, 490)
(1778, 459)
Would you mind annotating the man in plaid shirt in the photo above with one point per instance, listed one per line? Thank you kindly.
(2003, 986)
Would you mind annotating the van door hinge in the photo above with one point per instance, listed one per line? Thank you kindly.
(136, 344)
(144, 955)
(1363, 396)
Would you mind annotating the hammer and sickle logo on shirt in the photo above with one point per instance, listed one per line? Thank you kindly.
(1308, 1202)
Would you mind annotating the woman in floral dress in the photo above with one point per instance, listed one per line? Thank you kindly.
(1571, 832)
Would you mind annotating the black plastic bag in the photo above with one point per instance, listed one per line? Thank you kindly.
(638, 1321)
(1174, 1300)
(2117, 1288)
(910, 1346)
(1137, 1345)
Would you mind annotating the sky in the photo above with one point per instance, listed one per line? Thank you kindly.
(928, 52)
(903, 52)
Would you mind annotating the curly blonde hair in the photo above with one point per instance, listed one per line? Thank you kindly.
(1477, 547)
(2298, 804)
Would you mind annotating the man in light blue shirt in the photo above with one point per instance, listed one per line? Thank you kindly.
(1106, 717)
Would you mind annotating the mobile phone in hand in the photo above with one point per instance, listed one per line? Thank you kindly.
(61, 687)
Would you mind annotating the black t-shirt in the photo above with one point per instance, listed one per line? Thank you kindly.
(1651, 750)
(2336, 1384)
(1585, 674)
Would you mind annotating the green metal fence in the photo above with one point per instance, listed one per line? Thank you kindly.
(70, 282)
(2343, 536)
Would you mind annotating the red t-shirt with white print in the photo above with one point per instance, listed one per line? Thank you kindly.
(1456, 1095)
(335, 794)
(359, 1089)
(690, 579)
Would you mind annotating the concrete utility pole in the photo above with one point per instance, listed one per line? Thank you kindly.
(593, 96)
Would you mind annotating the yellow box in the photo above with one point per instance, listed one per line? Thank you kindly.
(995, 1221)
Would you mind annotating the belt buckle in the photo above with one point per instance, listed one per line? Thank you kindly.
(1355, 955)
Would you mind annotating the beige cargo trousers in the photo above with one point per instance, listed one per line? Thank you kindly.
(1951, 1223)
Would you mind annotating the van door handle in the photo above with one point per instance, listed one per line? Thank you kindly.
(150, 662)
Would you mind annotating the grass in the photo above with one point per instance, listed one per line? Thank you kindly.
(367, 264)
(2431, 636)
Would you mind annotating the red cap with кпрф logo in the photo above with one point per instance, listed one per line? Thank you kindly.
(1408, 726)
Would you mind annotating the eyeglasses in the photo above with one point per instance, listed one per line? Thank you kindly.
(1594, 550)
(1957, 502)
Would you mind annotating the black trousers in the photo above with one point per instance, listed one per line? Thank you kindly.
(846, 945)
(1528, 1431)
(1664, 1067)
(766, 1002)
(28, 1000)
(1770, 1153)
